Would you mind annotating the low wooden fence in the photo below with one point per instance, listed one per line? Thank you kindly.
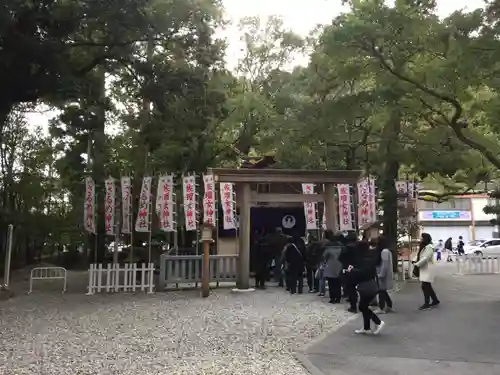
(121, 278)
(186, 270)
(477, 265)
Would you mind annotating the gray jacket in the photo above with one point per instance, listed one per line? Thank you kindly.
(385, 272)
(331, 257)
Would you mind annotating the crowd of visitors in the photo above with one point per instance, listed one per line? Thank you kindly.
(359, 271)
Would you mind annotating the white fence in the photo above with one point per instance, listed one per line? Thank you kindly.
(48, 273)
(121, 277)
(187, 269)
(477, 265)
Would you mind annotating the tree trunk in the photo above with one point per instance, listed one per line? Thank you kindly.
(389, 175)
(98, 173)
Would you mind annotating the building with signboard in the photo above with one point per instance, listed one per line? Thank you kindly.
(458, 216)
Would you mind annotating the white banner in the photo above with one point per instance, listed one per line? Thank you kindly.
(109, 206)
(345, 212)
(89, 206)
(372, 204)
(309, 208)
(159, 195)
(209, 200)
(167, 223)
(323, 225)
(189, 190)
(227, 199)
(142, 223)
(126, 184)
(363, 187)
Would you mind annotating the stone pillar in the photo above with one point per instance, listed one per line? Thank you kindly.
(243, 196)
(331, 208)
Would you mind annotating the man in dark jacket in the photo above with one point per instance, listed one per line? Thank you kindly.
(313, 258)
(294, 260)
(261, 263)
(276, 243)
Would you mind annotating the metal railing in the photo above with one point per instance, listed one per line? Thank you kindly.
(187, 269)
(477, 265)
(48, 273)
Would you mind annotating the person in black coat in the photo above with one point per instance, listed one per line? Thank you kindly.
(364, 276)
(294, 262)
(313, 259)
(349, 257)
(262, 260)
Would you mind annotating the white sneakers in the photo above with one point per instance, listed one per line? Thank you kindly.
(377, 330)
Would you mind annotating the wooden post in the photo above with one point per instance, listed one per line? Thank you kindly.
(206, 238)
(243, 195)
(331, 208)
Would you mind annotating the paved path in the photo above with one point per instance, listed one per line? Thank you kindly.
(461, 337)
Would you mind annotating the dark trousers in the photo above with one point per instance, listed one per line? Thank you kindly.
(260, 277)
(295, 280)
(384, 300)
(352, 295)
(312, 283)
(334, 289)
(368, 314)
(429, 293)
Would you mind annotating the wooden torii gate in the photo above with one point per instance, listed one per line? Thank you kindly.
(244, 178)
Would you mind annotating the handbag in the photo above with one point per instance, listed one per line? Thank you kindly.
(416, 271)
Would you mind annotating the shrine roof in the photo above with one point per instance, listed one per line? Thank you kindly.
(249, 175)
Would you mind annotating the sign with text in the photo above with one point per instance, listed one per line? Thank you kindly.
(445, 215)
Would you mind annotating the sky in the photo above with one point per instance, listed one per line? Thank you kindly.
(300, 16)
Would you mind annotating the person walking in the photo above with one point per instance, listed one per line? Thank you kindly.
(294, 260)
(364, 275)
(439, 250)
(423, 269)
(448, 246)
(333, 267)
(385, 273)
(460, 246)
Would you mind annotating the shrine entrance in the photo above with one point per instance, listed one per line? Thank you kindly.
(243, 179)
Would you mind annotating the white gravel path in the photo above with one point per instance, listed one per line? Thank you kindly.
(166, 333)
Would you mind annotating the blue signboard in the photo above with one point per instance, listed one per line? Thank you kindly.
(445, 215)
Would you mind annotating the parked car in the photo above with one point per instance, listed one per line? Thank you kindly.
(486, 248)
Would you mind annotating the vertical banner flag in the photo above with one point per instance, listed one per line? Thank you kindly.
(166, 203)
(345, 213)
(142, 222)
(372, 204)
(126, 185)
(209, 199)
(89, 206)
(159, 195)
(363, 203)
(189, 190)
(226, 192)
(109, 206)
(309, 208)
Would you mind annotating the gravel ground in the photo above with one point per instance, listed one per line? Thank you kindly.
(166, 333)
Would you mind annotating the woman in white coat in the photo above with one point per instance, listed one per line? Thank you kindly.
(424, 270)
